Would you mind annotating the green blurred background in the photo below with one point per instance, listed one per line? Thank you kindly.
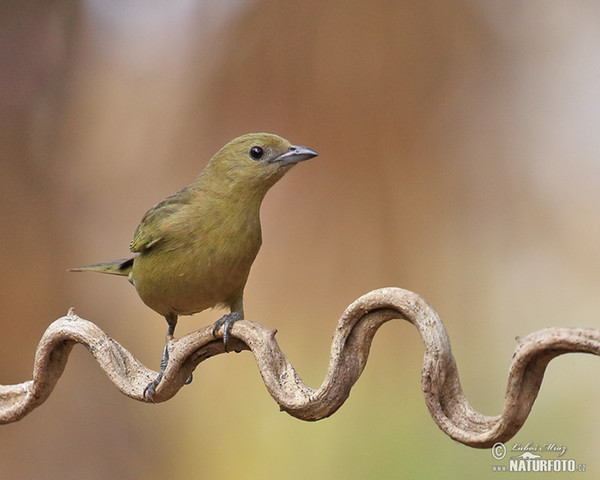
(459, 158)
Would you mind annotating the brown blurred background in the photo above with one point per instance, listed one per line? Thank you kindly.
(460, 159)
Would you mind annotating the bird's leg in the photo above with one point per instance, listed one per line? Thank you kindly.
(164, 361)
(226, 321)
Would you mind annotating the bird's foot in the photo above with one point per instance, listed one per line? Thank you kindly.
(164, 361)
(226, 321)
(151, 389)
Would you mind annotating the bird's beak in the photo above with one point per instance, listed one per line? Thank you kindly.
(294, 155)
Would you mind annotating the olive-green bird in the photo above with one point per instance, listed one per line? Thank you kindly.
(194, 250)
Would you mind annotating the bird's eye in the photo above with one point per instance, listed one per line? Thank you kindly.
(256, 153)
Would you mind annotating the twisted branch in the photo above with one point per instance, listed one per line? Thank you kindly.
(349, 353)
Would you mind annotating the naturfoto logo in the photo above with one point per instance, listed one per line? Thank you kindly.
(534, 457)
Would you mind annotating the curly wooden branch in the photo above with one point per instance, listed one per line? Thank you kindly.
(349, 353)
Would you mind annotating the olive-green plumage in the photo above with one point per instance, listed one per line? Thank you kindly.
(194, 250)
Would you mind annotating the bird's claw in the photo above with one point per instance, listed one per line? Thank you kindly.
(150, 389)
(226, 321)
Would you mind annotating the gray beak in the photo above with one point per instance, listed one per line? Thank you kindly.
(294, 155)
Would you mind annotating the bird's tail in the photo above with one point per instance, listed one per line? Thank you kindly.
(116, 267)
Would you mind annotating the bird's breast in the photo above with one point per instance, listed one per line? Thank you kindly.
(204, 269)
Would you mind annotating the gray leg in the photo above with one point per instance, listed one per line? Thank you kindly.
(164, 361)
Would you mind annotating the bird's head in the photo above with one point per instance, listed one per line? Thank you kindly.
(254, 162)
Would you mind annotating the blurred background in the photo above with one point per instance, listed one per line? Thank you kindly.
(459, 158)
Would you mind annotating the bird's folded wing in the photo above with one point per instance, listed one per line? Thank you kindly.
(155, 224)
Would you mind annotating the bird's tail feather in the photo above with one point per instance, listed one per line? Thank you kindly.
(116, 267)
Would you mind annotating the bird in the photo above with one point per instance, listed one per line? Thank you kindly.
(194, 250)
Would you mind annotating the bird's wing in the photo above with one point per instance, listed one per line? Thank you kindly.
(155, 223)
